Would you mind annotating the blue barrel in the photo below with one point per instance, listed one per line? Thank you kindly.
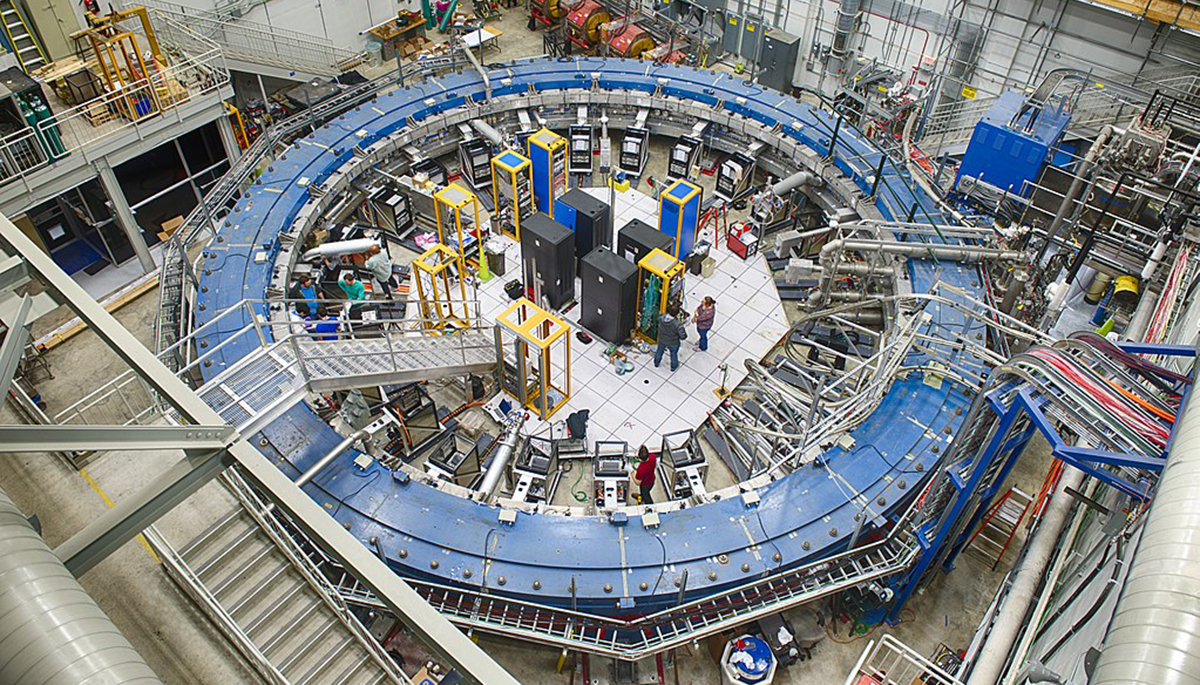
(749, 660)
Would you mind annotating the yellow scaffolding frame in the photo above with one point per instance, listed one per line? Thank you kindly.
(433, 272)
(508, 170)
(657, 273)
(448, 205)
(535, 334)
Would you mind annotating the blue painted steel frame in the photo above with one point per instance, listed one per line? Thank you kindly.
(1090, 461)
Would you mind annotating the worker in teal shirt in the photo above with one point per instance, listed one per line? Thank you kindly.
(353, 287)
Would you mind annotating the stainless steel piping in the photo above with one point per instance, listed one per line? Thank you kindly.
(51, 630)
(962, 253)
(504, 452)
(1154, 637)
(487, 83)
(330, 456)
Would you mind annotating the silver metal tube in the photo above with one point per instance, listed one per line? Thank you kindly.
(487, 131)
(1068, 201)
(1010, 620)
(1154, 637)
(487, 83)
(330, 456)
(796, 180)
(964, 253)
(504, 452)
(54, 633)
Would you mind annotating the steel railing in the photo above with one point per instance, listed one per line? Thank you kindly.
(265, 515)
(187, 579)
(891, 662)
(656, 632)
(1093, 107)
(193, 74)
(290, 347)
(171, 322)
(258, 43)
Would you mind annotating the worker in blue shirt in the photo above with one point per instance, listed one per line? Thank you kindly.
(306, 294)
(326, 323)
(351, 286)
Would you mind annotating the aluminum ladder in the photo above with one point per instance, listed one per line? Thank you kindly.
(258, 388)
(20, 38)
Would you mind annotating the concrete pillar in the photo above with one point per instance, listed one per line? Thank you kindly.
(228, 140)
(123, 215)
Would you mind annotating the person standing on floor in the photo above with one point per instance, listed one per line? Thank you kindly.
(643, 476)
(671, 333)
(705, 314)
(352, 287)
(379, 263)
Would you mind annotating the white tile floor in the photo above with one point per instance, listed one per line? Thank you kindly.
(641, 406)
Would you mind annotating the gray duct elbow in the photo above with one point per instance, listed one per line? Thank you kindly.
(485, 129)
(794, 182)
(53, 632)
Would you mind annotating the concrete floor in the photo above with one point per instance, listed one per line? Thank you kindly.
(182, 647)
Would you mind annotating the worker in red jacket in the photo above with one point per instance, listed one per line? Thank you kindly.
(644, 475)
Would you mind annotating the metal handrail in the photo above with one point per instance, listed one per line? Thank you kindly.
(75, 129)
(260, 43)
(632, 639)
(891, 662)
(182, 574)
(170, 322)
(266, 518)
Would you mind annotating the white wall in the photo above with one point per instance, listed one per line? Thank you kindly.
(337, 20)
(1013, 55)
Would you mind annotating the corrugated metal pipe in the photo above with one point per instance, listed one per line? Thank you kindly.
(51, 631)
(843, 29)
(1154, 637)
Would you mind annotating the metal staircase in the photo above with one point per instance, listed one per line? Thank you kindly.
(282, 617)
(20, 38)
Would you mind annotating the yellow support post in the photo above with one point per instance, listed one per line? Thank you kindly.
(535, 333)
(660, 279)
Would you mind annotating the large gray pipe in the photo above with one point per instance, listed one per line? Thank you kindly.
(1068, 202)
(796, 180)
(1010, 620)
(504, 452)
(843, 29)
(485, 129)
(51, 631)
(1154, 637)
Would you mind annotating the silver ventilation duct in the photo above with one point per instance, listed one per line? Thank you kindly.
(51, 631)
(1154, 637)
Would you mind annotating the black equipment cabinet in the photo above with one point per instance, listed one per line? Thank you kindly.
(638, 239)
(608, 294)
(587, 216)
(548, 259)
